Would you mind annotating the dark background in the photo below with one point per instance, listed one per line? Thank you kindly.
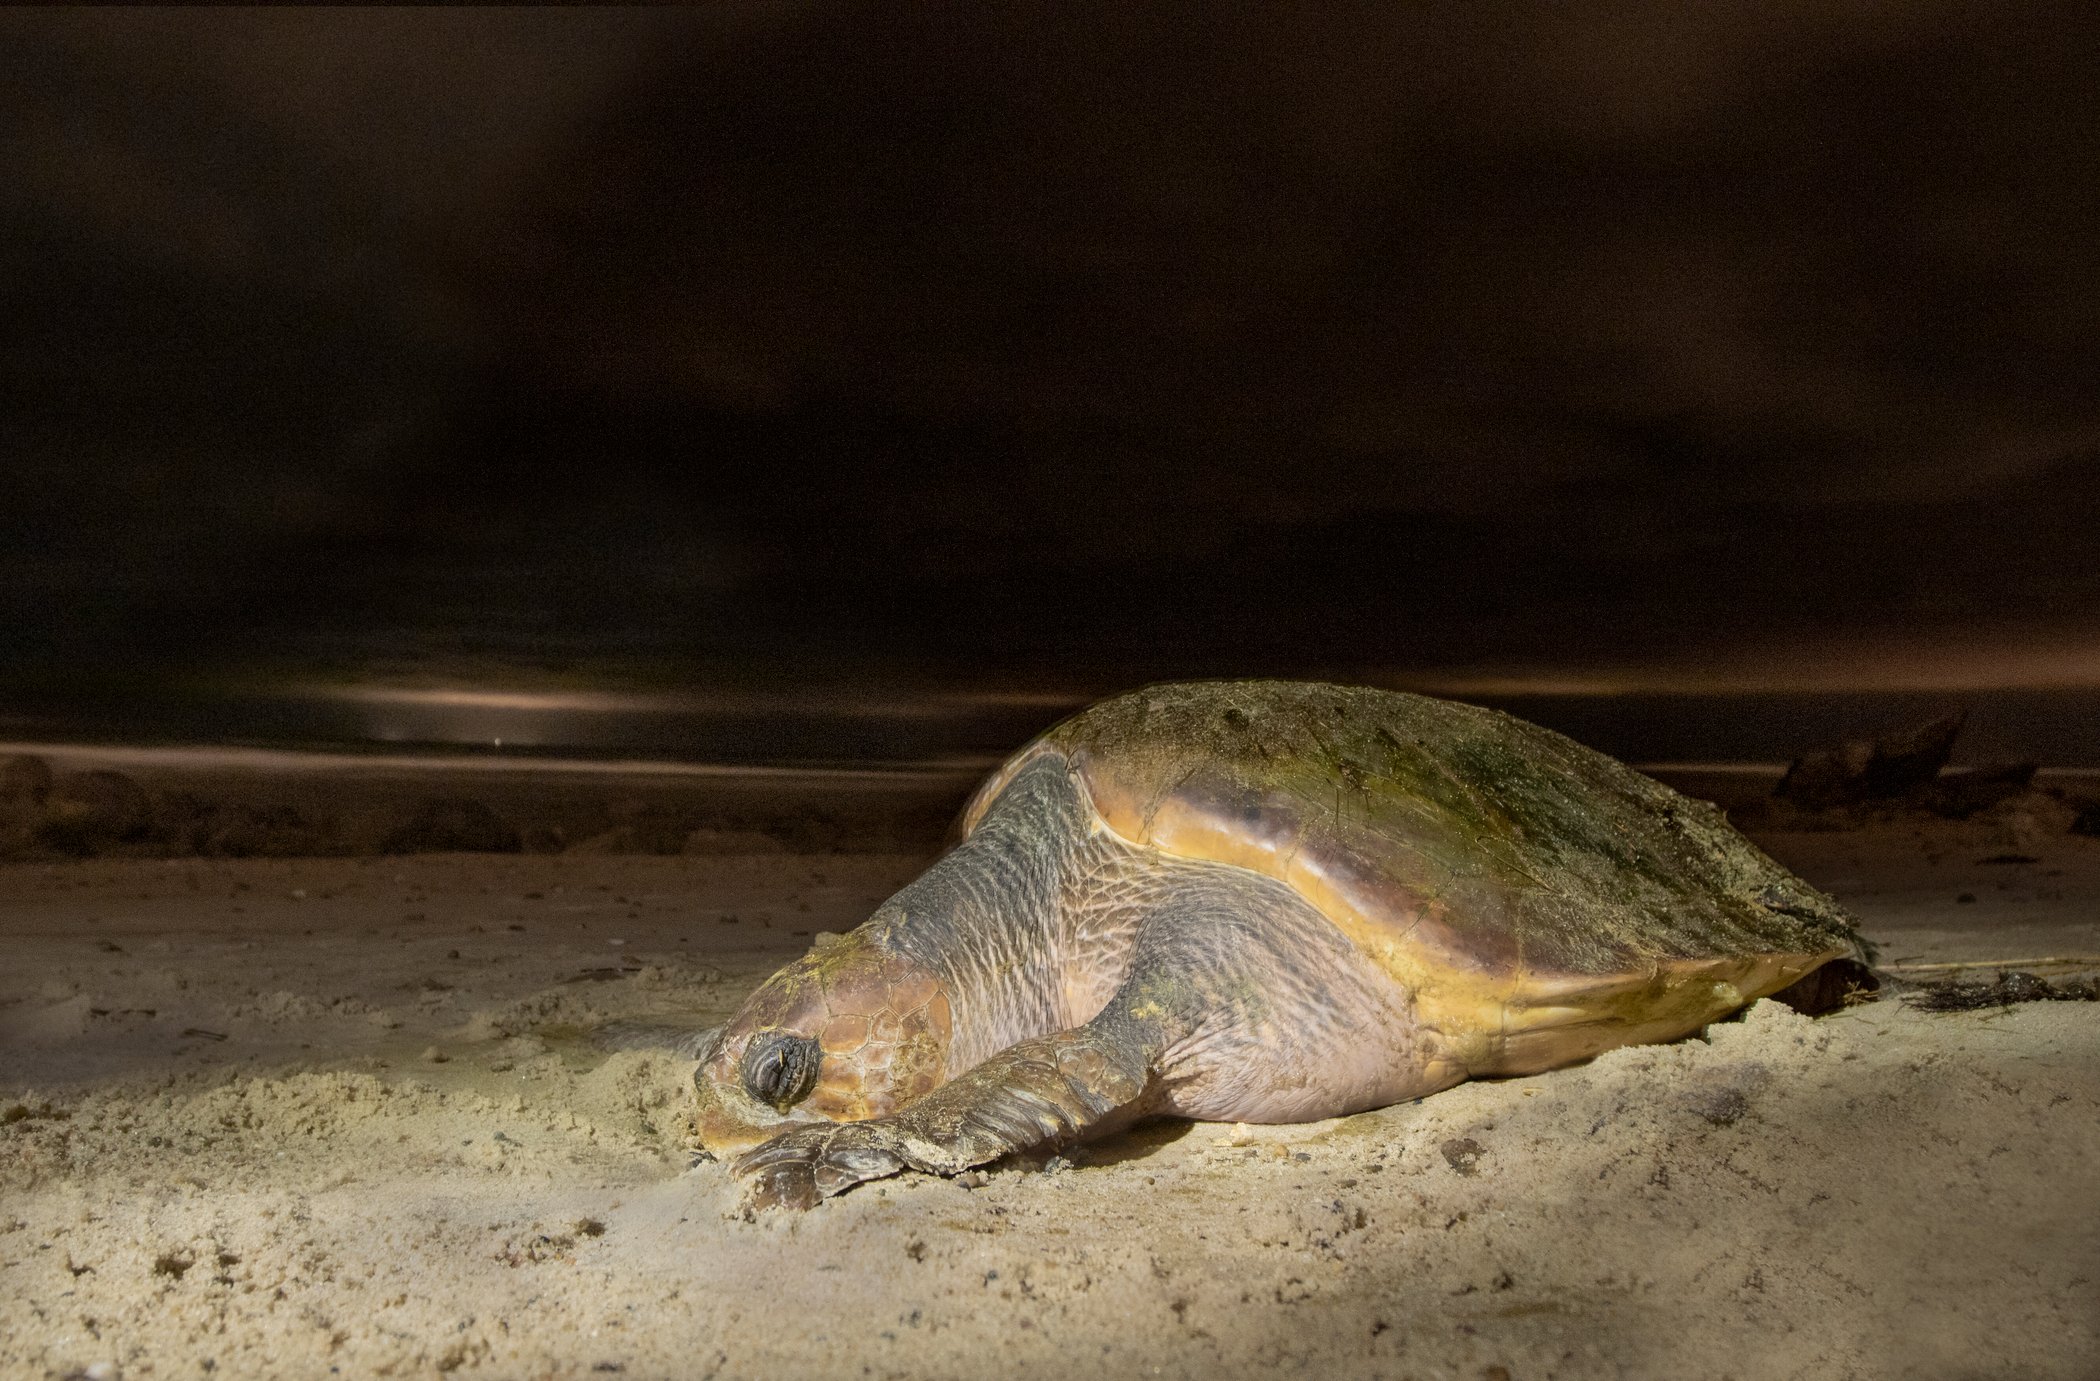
(1501, 349)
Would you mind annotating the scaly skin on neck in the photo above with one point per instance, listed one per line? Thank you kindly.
(996, 923)
(1092, 981)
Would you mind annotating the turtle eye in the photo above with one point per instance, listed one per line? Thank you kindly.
(780, 1068)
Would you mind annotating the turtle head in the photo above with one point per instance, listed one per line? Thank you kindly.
(849, 1031)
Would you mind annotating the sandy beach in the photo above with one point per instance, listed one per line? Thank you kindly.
(320, 1116)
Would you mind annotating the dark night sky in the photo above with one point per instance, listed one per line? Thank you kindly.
(1083, 341)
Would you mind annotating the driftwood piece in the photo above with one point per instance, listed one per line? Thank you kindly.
(1871, 769)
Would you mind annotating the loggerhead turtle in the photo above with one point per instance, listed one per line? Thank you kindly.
(1258, 901)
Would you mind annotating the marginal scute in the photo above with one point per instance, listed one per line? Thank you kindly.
(1540, 901)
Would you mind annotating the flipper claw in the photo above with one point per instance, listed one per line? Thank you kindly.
(798, 1168)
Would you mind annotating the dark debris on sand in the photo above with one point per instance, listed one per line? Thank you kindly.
(453, 824)
(1907, 769)
(2007, 988)
(1906, 775)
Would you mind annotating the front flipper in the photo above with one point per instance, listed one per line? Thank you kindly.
(1048, 1090)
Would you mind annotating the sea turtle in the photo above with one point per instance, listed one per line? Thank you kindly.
(1258, 901)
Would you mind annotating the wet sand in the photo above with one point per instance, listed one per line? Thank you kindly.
(313, 1117)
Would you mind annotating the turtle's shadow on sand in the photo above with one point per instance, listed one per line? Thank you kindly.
(1145, 1139)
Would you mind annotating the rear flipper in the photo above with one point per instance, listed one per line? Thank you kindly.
(1044, 1091)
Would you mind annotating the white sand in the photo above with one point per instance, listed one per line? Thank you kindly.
(302, 1192)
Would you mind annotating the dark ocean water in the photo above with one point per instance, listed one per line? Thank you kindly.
(2059, 728)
